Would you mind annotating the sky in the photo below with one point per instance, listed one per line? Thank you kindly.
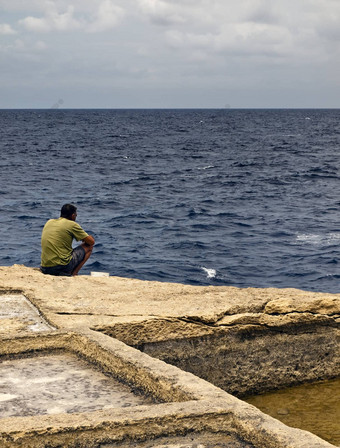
(169, 54)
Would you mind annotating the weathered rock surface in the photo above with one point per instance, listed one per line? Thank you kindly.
(242, 340)
(309, 303)
(86, 300)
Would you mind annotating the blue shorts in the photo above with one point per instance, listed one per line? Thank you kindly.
(78, 255)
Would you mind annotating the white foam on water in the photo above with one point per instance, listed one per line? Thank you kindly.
(318, 239)
(309, 238)
(206, 167)
(211, 273)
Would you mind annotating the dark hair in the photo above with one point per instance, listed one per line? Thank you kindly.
(67, 210)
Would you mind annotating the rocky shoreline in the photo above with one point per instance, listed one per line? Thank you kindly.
(241, 340)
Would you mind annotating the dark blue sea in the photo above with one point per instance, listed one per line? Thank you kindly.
(202, 197)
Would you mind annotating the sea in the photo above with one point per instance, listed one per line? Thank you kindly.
(235, 197)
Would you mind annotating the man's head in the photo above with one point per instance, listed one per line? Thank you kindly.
(68, 211)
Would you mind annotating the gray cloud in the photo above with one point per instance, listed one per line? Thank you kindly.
(142, 53)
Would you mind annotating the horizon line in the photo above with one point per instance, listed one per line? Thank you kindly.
(169, 108)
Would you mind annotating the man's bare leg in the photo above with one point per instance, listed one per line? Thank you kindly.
(88, 252)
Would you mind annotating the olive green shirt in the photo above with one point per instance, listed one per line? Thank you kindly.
(56, 241)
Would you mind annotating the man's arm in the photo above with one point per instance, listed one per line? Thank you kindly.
(89, 240)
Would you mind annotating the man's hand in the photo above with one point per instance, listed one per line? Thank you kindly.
(89, 240)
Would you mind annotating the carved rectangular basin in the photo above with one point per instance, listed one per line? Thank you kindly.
(59, 383)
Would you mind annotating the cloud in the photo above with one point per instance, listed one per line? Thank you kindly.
(264, 13)
(36, 24)
(326, 23)
(53, 20)
(174, 43)
(40, 45)
(240, 39)
(107, 17)
(280, 31)
(160, 12)
(6, 29)
(20, 53)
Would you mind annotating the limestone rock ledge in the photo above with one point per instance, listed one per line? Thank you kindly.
(241, 340)
(87, 300)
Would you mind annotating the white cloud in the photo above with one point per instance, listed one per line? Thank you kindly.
(53, 20)
(243, 39)
(35, 24)
(161, 12)
(5, 28)
(107, 17)
(282, 30)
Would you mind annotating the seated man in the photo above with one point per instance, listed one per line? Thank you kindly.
(57, 256)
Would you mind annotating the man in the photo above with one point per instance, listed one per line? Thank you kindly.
(57, 255)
